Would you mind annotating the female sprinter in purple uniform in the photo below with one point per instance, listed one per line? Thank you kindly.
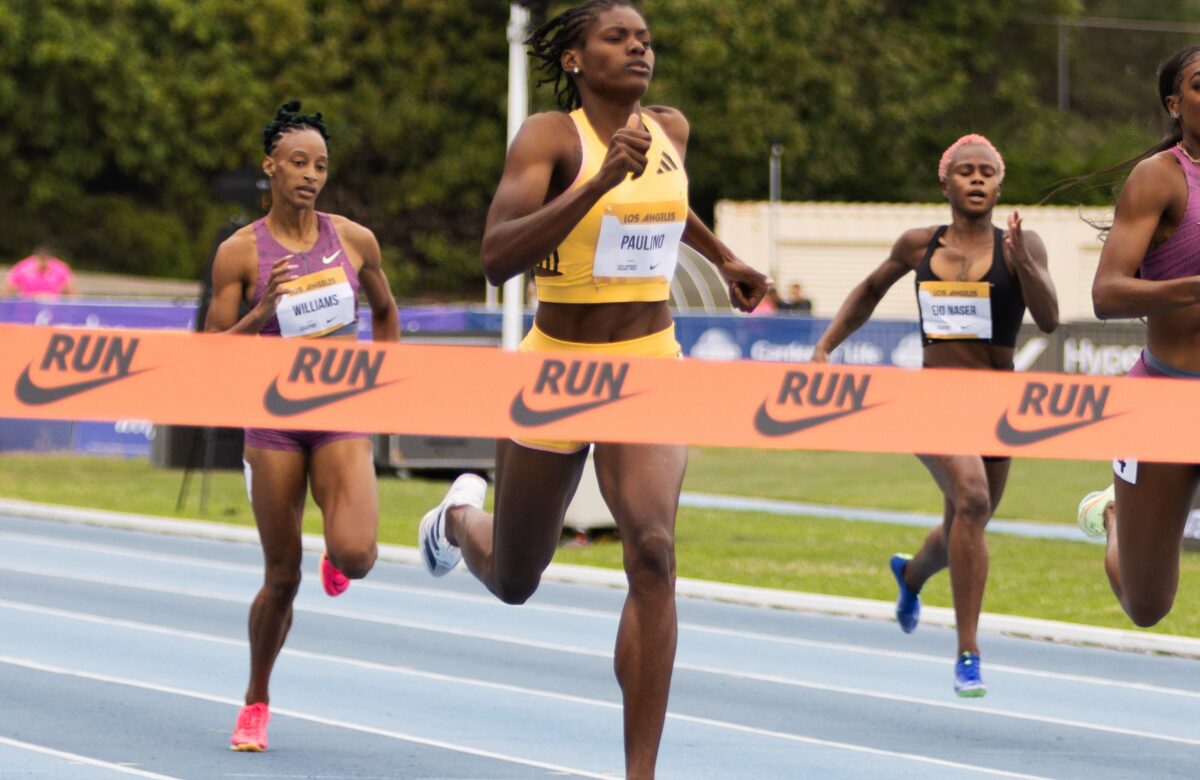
(1150, 267)
(292, 254)
(974, 281)
(602, 286)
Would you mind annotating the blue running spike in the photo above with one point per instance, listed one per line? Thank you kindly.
(908, 603)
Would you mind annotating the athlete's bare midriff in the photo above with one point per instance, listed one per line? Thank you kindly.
(602, 323)
(1174, 337)
(968, 354)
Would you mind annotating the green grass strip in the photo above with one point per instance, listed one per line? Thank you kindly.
(1038, 578)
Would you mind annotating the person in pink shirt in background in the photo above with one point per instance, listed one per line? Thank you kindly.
(40, 275)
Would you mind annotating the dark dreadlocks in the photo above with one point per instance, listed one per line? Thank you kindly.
(548, 42)
(287, 119)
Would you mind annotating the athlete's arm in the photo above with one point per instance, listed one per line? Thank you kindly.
(522, 228)
(385, 319)
(747, 287)
(1116, 291)
(234, 257)
(1026, 254)
(863, 299)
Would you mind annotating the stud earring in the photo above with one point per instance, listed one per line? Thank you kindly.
(1174, 115)
(575, 71)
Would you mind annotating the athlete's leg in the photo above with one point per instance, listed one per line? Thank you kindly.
(342, 474)
(641, 484)
(968, 484)
(278, 488)
(1145, 537)
(933, 556)
(509, 549)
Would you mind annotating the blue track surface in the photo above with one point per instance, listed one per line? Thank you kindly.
(124, 654)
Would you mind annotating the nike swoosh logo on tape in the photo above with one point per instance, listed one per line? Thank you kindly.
(281, 406)
(331, 258)
(32, 394)
(767, 425)
(1006, 433)
(521, 414)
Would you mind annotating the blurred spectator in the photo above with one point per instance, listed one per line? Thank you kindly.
(795, 303)
(41, 275)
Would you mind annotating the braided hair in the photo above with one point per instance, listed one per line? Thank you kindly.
(548, 42)
(288, 119)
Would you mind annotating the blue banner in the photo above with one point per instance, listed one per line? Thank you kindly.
(115, 313)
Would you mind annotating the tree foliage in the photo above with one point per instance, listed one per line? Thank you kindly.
(115, 115)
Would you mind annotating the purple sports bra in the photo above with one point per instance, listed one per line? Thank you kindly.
(1179, 255)
(326, 253)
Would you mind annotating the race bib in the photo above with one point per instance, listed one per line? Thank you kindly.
(956, 310)
(639, 241)
(316, 304)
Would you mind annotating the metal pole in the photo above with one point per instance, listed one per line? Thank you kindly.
(776, 168)
(1064, 69)
(512, 321)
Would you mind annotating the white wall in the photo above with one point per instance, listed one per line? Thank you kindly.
(831, 247)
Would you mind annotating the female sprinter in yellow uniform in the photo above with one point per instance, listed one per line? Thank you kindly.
(280, 266)
(593, 199)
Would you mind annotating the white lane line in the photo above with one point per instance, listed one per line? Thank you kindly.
(75, 757)
(1126, 640)
(361, 617)
(359, 727)
(473, 682)
(340, 660)
(903, 655)
(242, 568)
(864, 749)
(715, 671)
(999, 713)
(491, 603)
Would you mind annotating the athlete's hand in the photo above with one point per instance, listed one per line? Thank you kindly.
(819, 355)
(1014, 242)
(281, 273)
(626, 153)
(747, 287)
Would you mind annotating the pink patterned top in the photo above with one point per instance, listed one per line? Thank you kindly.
(1179, 255)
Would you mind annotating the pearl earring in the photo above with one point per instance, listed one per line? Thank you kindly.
(575, 71)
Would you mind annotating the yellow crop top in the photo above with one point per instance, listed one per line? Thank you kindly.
(626, 247)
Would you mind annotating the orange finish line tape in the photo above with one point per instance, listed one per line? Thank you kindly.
(205, 379)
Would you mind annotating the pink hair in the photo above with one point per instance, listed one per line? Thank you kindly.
(970, 138)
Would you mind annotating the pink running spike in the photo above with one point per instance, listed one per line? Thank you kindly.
(250, 734)
(334, 582)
